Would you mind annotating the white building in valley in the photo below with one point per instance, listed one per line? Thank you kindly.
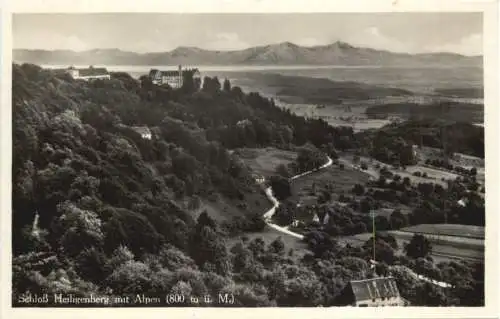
(143, 131)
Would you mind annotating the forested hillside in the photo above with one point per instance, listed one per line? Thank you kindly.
(459, 137)
(98, 209)
(87, 187)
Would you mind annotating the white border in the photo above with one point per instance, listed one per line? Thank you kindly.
(492, 134)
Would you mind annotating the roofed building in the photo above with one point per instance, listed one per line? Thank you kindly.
(144, 131)
(374, 292)
(90, 73)
(244, 123)
(174, 78)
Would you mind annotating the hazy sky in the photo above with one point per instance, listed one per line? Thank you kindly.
(141, 32)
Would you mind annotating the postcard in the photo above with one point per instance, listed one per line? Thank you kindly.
(265, 158)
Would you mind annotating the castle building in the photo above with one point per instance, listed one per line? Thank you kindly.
(174, 78)
(87, 74)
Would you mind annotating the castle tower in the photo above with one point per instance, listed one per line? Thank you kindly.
(180, 75)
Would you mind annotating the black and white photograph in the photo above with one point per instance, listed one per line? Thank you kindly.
(248, 159)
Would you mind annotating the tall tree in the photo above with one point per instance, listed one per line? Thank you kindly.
(419, 246)
(227, 86)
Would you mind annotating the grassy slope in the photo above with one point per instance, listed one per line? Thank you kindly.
(342, 180)
(269, 235)
(455, 241)
(265, 160)
(448, 229)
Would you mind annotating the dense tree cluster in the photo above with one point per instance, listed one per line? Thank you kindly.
(446, 165)
(391, 143)
(97, 203)
(429, 201)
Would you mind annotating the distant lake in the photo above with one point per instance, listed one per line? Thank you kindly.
(417, 79)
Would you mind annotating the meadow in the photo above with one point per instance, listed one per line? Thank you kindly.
(449, 242)
(339, 180)
(263, 161)
(468, 231)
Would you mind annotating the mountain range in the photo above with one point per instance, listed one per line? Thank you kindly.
(285, 53)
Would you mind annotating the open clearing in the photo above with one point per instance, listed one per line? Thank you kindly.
(264, 161)
(341, 180)
(268, 235)
(460, 159)
(448, 229)
(432, 173)
(444, 247)
(224, 209)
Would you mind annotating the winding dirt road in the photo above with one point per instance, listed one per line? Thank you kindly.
(269, 193)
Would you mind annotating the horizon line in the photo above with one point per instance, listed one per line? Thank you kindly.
(251, 47)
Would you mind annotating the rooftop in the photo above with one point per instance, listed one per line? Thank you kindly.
(381, 287)
(142, 129)
(158, 73)
(90, 71)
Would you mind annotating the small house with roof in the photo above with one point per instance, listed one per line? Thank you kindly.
(258, 178)
(244, 123)
(373, 292)
(174, 78)
(90, 73)
(463, 202)
(315, 218)
(143, 131)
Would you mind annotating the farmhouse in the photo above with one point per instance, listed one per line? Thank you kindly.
(374, 292)
(89, 73)
(315, 218)
(258, 178)
(244, 123)
(174, 78)
(463, 202)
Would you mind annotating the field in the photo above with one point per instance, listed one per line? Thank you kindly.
(264, 161)
(448, 229)
(338, 115)
(449, 247)
(433, 175)
(223, 209)
(456, 110)
(446, 244)
(341, 180)
(458, 159)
